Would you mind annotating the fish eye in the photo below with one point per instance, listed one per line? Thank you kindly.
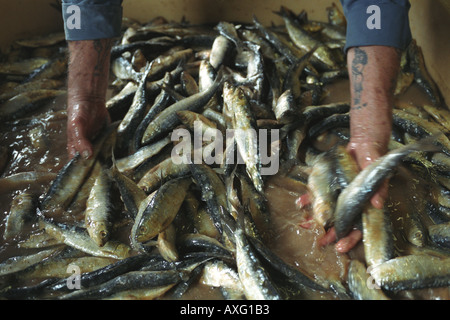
(142, 230)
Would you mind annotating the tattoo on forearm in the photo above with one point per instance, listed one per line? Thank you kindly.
(103, 48)
(357, 67)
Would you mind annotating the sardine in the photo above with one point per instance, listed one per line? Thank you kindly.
(98, 213)
(26, 102)
(159, 212)
(254, 278)
(22, 210)
(131, 280)
(421, 75)
(352, 199)
(359, 283)
(412, 272)
(168, 119)
(81, 240)
(305, 41)
(245, 134)
(15, 264)
(440, 234)
(161, 173)
(377, 236)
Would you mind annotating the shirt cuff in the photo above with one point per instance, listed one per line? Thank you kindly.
(384, 24)
(91, 19)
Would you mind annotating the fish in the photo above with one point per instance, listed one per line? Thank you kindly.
(156, 215)
(168, 119)
(413, 271)
(421, 75)
(323, 187)
(134, 115)
(213, 192)
(352, 199)
(42, 41)
(359, 283)
(440, 234)
(166, 244)
(244, 132)
(305, 41)
(130, 280)
(420, 128)
(32, 86)
(22, 211)
(19, 263)
(220, 275)
(220, 52)
(99, 208)
(275, 41)
(162, 172)
(24, 67)
(27, 102)
(141, 155)
(254, 278)
(377, 236)
(79, 238)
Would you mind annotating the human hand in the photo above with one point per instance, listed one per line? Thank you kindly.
(85, 118)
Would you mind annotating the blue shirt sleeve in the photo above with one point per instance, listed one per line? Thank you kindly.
(381, 22)
(91, 19)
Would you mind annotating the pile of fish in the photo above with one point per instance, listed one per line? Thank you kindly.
(152, 227)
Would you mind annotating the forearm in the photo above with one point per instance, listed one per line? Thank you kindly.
(88, 70)
(373, 73)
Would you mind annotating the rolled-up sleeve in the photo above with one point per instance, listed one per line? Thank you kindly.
(377, 22)
(91, 19)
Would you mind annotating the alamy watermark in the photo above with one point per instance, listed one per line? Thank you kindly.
(211, 146)
(374, 20)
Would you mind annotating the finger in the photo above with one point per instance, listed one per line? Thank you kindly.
(328, 238)
(379, 198)
(349, 242)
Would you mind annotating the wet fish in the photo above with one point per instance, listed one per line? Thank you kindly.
(323, 186)
(352, 199)
(420, 128)
(377, 236)
(305, 41)
(19, 263)
(98, 213)
(131, 280)
(161, 173)
(166, 244)
(359, 283)
(254, 278)
(24, 67)
(421, 75)
(26, 102)
(168, 119)
(412, 272)
(440, 234)
(156, 215)
(213, 191)
(42, 41)
(220, 51)
(80, 239)
(22, 210)
(244, 132)
(134, 115)
(219, 275)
